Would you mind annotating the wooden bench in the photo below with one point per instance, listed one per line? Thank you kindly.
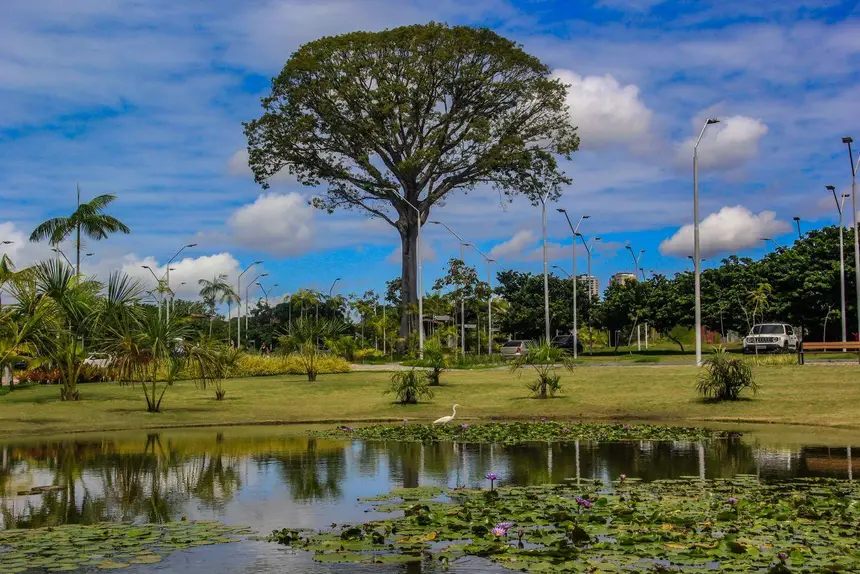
(829, 346)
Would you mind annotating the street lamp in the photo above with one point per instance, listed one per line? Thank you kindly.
(266, 292)
(420, 277)
(332, 286)
(575, 232)
(6, 242)
(254, 280)
(854, 167)
(797, 221)
(766, 239)
(839, 207)
(543, 199)
(239, 306)
(169, 261)
(696, 255)
(588, 247)
(462, 298)
(636, 258)
(59, 251)
(489, 299)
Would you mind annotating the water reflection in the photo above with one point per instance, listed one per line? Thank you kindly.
(266, 478)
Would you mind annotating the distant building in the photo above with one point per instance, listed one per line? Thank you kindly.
(592, 285)
(622, 278)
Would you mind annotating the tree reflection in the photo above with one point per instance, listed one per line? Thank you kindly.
(313, 473)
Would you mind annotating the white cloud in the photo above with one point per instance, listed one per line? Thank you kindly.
(604, 110)
(21, 251)
(729, 230)
(187, 270)
(727, 144)
(280, 224)
(513, 247)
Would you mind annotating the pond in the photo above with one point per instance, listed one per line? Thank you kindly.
(267, 478)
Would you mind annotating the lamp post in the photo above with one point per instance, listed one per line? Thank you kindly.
(543, 199)
(697, 268)
(239, 305)
(317, 309)
(839, 207)
(797, 221)
(267, 291)
(636, 258)
(420, 281)
(462, 298)
(59, 251)
(575, 232)
(588, 247)
(849, 141)
(169, 261)
(489, 299)
(766, 239)
(254, 280)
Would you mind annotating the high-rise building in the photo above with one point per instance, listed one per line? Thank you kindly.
(622, 277)
(592, 285)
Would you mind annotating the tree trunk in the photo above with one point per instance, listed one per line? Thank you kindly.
(409, 273)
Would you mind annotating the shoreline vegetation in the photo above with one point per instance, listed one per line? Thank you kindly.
(820, 396)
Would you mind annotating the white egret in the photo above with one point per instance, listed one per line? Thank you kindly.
(444, 420)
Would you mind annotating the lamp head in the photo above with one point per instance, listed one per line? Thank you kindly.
(146, 267)
(796, 218)
(764, 238)
(586, 216)
(6, 242)
(258, 262)
(628, 247)
(191, 245)
(848, 140)
(713, 121)
(830, 187)
(846, 195)
(264, 275)
(597, 239)
(561, 210)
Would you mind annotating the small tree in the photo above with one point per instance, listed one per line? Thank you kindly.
(724, 377)
(436, 360)
(409, 387)
(68, 353)
(543, 358)
(304, 339)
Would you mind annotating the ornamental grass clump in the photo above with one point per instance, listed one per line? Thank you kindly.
(724, 377)
(409, 387)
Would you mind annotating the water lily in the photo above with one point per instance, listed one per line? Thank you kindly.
(521, 533)
(496, 531)
(622, 477)
(782, 556)
(626, 427)
(405, 421)
(543, 419)
(732, 501)
(565, 429)
(492, 477)
(464, 426)
(505, 525)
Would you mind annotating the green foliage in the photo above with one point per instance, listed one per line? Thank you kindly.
(436, 359)
(523, 432)
(409, 387)
(724, 377)
(68, 354)
(304, 339)
(683, 525)
(543, 357)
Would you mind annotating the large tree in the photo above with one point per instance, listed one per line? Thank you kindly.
(384, 121)
(88, 219)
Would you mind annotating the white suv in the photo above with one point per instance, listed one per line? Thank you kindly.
(773, 337)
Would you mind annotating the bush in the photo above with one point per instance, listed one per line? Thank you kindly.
(724, 377)
(543, 357)
(436, 360)
(409, 387)
(362, 355)
(261, 366)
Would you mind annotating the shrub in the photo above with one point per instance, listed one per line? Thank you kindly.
(369, 353)
(304, 338)
(543, 357)
(724, 377)
(436, 360)
(262, 366)
(409, 387)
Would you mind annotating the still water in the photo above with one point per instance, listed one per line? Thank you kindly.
(272, 477)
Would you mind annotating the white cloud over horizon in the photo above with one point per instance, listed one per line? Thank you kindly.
(729, 230)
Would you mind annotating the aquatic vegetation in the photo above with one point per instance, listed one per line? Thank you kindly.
(105, 546)
(730, 525)
(521, 432)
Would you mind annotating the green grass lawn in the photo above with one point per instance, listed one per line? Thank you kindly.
(818, 395)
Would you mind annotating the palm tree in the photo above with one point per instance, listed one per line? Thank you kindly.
(303, 340)
(89, 219)
(7, 273)
(229, 296)
(211, 292)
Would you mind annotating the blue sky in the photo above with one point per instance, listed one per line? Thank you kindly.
(146, 99)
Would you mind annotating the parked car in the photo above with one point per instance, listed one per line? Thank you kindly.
(515, 348)
(566, 342)
(771, 337)
(100, 360)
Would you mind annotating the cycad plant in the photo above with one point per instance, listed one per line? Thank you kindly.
(409, 387)
(544, 359)
(724, 377)
(88, 219)
(436, 360)
(304, 339)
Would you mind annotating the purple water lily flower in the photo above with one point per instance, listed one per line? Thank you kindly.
(521, 533)
(405, 421)
(464, 426)
(782, 556)
(543, 419)
(626, 427)
(505, 525)
(732, 501)
(492, 477)
(498, 531)
(622, 477)
(565, 429)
